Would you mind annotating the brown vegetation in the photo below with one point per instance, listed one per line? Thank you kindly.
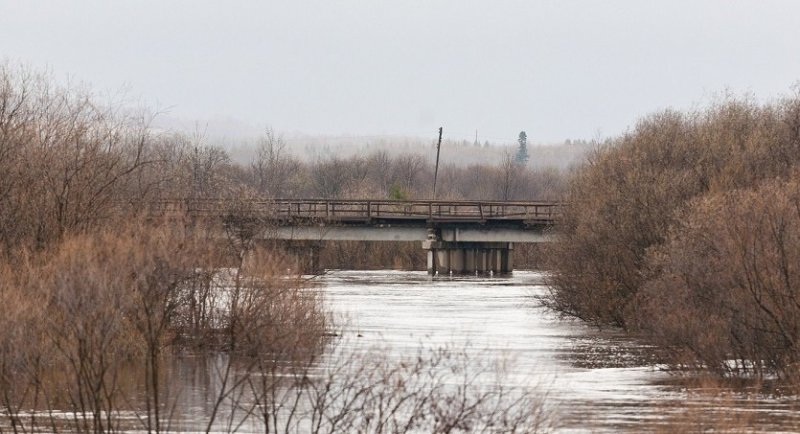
(366, 255)
(732, 262)
(89, 326)
(80, 317)
(97, 296)
(670, 231)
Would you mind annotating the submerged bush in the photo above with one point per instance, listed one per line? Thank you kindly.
(96, 309)
(93, 327)
(725, 292)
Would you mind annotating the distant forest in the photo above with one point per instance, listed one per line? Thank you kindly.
(72, 164)
(241, 140)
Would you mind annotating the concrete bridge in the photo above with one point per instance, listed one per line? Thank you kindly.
(459, 236)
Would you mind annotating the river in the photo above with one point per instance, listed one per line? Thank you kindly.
(594, 380)
(590, 380)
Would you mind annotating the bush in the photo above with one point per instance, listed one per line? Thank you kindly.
(625, 198)
(95, 309)
(725, 291)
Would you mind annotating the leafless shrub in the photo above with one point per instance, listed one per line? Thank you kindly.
(724, 292)
(625, 198)
(65, 159)
(86, 314)
(439, 390)
(20, 361)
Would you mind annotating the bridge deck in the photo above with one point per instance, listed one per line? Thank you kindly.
(297, 211)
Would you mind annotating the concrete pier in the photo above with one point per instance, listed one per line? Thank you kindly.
(445, 257)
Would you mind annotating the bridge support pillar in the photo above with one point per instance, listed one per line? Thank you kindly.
(470, 265)
(441, 261)
(448, 257)
(481, 264)
(507, 260)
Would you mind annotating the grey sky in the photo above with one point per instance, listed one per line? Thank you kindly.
(557, 69)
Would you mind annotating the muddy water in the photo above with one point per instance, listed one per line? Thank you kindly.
(595, 381)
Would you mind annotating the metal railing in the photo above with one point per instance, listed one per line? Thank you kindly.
(368, 210)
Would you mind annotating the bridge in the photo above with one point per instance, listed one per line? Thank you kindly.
(459, 236)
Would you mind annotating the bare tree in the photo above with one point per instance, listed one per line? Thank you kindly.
(508, 177)
(273, 168)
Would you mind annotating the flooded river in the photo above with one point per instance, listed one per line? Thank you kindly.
(595, 381)
(590, 380)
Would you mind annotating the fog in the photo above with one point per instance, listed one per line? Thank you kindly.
(556, 69)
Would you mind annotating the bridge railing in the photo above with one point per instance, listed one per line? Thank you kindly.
(366, 210)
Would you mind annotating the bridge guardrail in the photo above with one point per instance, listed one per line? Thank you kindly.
(367, 209)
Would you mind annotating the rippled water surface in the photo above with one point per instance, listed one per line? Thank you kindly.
(596, 381)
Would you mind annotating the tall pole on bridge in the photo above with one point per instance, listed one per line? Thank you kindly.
(436, 170)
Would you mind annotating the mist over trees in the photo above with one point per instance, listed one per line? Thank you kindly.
(560, 156)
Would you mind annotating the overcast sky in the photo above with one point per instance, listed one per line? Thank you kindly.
(557, 69)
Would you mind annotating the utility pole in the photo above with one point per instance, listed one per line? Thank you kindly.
(436, 171)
